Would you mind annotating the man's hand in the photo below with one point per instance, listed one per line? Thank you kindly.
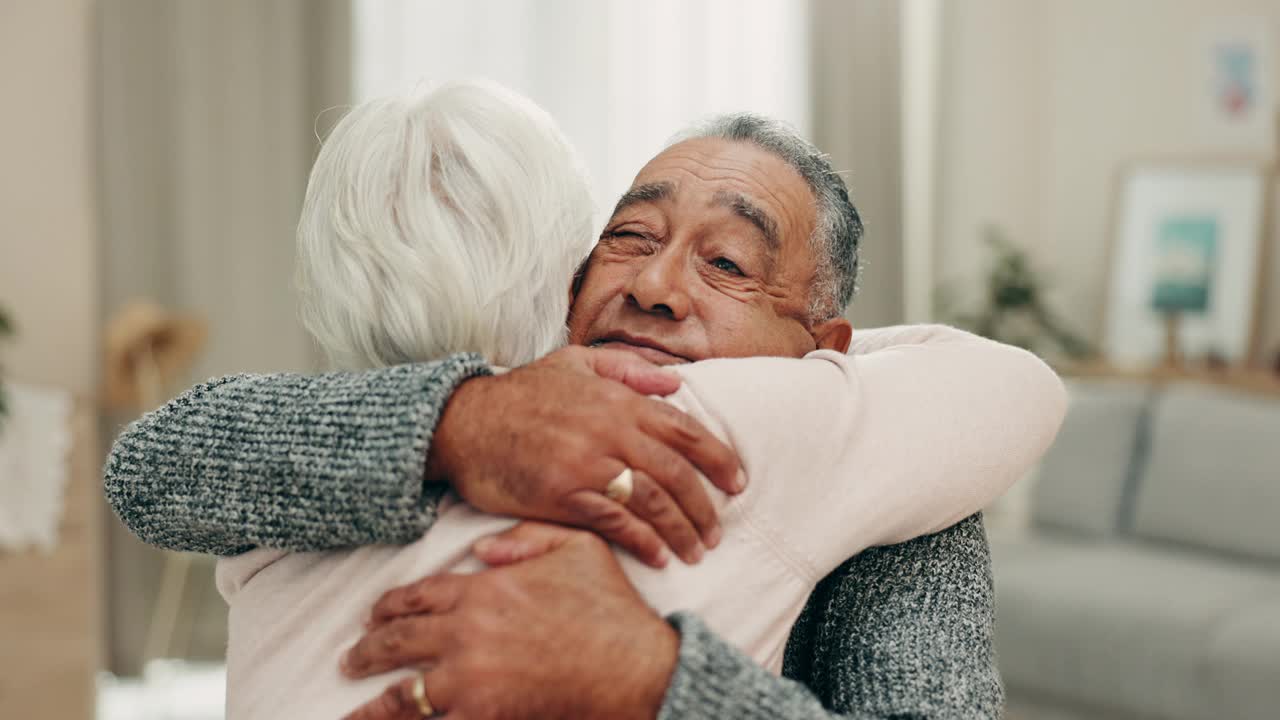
(563, 634)
(543, 441)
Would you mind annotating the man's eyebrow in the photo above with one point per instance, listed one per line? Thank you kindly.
(647, 193)
(752, 213)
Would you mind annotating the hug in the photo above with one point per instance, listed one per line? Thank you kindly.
(642, 471)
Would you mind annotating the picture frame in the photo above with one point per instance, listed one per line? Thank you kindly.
(1186, 268)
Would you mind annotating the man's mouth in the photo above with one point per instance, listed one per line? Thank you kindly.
(649, 349)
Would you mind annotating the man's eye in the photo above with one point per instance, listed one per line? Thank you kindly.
(727, 265)
(622, 234)
(629, 243)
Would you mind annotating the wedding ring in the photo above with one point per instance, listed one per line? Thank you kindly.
(619, 489)
(420, 696)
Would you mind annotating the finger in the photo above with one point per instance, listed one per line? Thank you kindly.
(404, 642)
(617, 524)
(653, 504)
(678, 478)
(435, 594)
(397, 702)
(522, 542)
(633, 371)
(687, 436)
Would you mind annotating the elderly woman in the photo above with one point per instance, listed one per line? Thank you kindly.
(454, 221)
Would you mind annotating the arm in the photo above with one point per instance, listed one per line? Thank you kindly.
(296, 462)
(899, 633)
(319, 462)
(902, 632)
(922, 427)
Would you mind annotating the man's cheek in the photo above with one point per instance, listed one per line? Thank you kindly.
(585, 312)
(579, 323)
(743, 329)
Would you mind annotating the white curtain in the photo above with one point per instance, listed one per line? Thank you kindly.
(207, 130)
(620, 76)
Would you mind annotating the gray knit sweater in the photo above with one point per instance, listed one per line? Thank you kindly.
(316, 462)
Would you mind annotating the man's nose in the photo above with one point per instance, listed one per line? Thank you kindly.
(660, 287)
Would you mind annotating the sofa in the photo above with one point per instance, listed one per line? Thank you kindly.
(1146, 583)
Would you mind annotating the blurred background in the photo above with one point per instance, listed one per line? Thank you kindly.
(1087, 178)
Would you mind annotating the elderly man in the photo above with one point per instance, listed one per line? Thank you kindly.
(737, 241)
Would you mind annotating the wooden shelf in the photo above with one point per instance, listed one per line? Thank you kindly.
(1254, 381)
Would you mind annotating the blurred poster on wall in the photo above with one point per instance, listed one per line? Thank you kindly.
(1187, 241)
(1184, 263)
(1236, 92)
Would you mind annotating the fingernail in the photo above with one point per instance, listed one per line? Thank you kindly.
(662, 558)
(714, 535)
(740, 482)
(484, 545)
(694, 556)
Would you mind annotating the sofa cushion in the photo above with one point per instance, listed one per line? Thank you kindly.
(1244, 663)
(1212, 478)
(1120, 626)
(1083, 480)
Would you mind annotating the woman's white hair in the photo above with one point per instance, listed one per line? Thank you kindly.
(443, 222)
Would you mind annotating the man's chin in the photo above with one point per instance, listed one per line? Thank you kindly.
(653, 355)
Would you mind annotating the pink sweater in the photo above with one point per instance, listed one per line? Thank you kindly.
(917, 428)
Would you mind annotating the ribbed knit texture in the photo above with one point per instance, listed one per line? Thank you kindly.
(295, 462)
(322, 462)
(899, 632)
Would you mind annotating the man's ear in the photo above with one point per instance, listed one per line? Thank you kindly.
(834, 334)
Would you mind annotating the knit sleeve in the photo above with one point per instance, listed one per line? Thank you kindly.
(714, 680)
(901, 632)
(287, 461)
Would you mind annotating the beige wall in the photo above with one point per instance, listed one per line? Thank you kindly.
(1041, 103)
(47, 211)
(856, 119)
(49, 625)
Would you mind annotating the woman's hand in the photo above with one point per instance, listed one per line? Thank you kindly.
(543, 441)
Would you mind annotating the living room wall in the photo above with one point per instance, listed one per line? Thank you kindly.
(50, 623)
(1043, 101)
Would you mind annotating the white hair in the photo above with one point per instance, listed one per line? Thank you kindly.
(443, 222)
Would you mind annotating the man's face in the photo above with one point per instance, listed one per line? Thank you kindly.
(707, 255)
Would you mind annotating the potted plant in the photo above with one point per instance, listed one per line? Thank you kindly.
(1013, 309)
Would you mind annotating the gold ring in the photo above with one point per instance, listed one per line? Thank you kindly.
(420, 695)
(620, 488)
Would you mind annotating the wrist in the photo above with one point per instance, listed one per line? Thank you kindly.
(450, 440)
(656, 670)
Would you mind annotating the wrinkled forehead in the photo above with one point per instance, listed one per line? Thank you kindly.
(704, 172)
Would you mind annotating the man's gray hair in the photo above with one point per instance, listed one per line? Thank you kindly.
(838, 229)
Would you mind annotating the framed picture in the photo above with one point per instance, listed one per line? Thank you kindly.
(1185, 275)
